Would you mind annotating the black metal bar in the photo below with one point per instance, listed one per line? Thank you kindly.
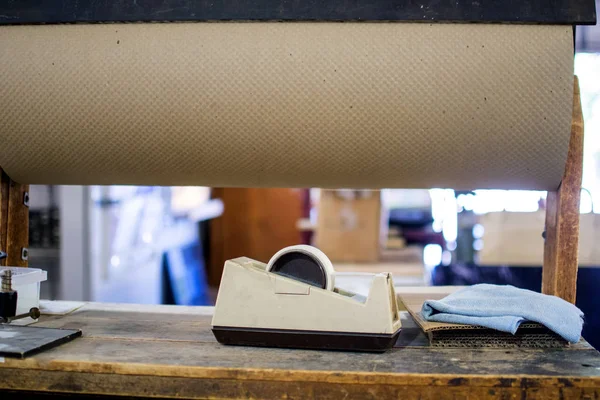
(574, 12)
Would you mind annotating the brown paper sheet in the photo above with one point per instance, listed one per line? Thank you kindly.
(363, 105)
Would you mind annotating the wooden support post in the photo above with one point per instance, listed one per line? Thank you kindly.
(559, 275)
(4, 184)
(14, 221)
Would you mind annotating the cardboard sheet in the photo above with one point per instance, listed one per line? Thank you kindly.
(362, 105)
(457, 335)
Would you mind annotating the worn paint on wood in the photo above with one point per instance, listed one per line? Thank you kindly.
(559, 276)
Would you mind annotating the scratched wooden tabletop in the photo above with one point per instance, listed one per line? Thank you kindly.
(170, 352)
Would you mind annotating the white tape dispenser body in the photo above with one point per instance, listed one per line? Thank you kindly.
(292, 302)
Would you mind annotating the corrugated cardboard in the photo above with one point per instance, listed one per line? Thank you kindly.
(344, 105)
(351, 229)
(457, 335)
(515, 238)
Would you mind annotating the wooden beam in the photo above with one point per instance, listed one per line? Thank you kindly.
(4, 184)
(17, 241)
(559, 275)
(14, 221)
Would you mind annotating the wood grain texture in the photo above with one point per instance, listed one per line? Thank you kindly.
(162, 351)
(4, 184)
(559, 276)
(255, 223)
(17, 231)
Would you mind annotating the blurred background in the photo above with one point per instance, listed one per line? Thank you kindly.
(167, 245)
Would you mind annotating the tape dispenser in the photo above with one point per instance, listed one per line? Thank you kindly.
(293, 302)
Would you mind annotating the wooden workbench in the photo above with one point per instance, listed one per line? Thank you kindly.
(169, 351)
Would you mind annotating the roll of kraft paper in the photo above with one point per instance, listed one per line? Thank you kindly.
(355, 105)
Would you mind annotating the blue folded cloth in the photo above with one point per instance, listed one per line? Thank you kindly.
(504, 308)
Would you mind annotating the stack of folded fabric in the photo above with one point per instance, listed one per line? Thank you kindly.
(498, 316)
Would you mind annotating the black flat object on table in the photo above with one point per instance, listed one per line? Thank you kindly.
(23, 341)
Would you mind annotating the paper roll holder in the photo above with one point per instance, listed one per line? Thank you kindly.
(561, 228)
